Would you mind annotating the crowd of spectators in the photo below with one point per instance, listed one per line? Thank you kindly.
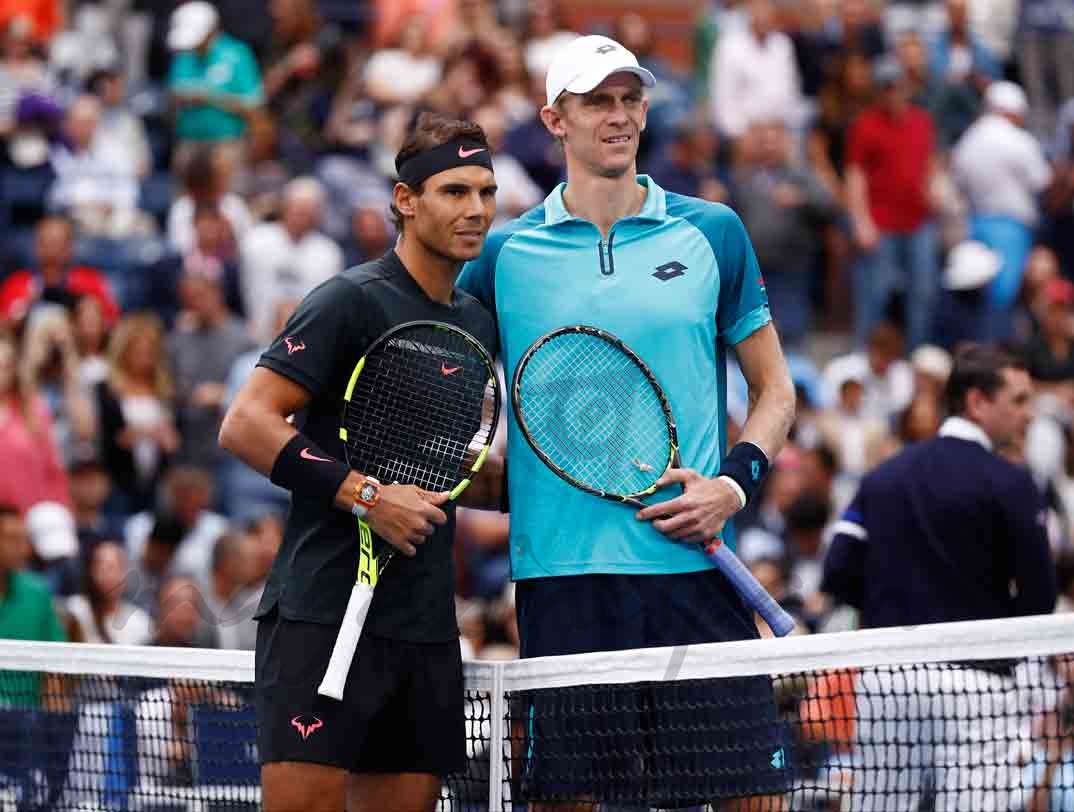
(174, 178)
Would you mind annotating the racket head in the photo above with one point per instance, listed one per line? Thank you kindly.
(421, 407)
(594, 413)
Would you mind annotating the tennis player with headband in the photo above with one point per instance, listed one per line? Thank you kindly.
(675, 278)
(400, 726)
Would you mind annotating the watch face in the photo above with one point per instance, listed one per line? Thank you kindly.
(369, 490)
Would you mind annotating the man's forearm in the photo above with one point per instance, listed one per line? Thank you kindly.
(770, 417)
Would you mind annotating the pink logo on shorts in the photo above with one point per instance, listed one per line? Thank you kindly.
(306, 724)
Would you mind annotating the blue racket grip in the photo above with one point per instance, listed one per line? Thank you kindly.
(755, 595)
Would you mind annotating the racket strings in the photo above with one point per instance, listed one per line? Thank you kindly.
(595, 414)
(418, 407)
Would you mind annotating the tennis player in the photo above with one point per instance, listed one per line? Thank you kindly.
(400, 726)
(676, 278)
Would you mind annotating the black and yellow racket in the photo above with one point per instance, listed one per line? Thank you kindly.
(421, 408)
(594, 413)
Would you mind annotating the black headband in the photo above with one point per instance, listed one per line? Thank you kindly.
(458, 152)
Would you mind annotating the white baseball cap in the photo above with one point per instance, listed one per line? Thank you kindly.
(1006, 97)
(190, 24)
(585, 62)
(52, 531)
(970, 265)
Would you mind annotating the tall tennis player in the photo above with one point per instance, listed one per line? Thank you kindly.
(677, 280)
(399, 728)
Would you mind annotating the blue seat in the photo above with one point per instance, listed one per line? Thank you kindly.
(226, 746)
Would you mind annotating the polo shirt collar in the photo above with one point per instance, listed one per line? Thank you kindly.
(654, 208)
(962, 429)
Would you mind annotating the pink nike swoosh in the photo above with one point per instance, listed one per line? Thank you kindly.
(306, 455)
(466, 153)
(446, 370)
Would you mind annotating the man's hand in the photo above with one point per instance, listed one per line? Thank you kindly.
(699, 514)
(866, 235)
(405, 514)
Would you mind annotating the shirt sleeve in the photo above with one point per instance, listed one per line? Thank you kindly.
(1023, 513)
(743, 303)
(321, 336)
(844, 565)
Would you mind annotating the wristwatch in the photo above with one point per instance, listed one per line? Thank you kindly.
(366, 496)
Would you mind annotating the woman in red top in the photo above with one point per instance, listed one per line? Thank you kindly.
(28, 447)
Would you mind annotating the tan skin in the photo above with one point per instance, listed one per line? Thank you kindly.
(600, 131)
(445, 225)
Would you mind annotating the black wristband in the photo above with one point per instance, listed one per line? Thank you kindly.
(747, 465)
(303, 469)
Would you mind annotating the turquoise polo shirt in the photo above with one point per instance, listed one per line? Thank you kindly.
(26, 613)
(679, 283)
(228, 69)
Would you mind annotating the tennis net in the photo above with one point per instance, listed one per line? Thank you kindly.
(972, 716)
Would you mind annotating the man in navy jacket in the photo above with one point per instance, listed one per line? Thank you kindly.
(946, 530)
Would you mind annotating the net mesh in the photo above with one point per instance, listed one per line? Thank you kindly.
(947, 717)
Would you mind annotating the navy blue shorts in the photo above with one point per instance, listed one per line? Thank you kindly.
(667, 744)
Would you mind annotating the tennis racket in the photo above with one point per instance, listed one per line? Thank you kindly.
(594, 413)
(421, 408)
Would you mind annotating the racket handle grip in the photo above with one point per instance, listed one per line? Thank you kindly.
(339, 664)
(755, 595)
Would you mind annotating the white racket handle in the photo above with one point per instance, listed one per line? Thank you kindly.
(339, 665)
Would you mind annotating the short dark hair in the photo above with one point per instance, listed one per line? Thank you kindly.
(8, 509)
(429, 131)
(977, 366)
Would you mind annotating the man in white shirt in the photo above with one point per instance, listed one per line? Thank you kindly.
(286, 260)
(754, 73)
(887, 379)
(1001, 168)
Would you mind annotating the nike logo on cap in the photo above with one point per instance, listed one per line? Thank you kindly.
(306, 455)
(466, 153)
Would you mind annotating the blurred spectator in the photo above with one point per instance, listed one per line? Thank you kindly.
(54, 277)
(754, 74)
(187, 497)
(261, 178)
(96, 179)
(179, 619)
(546, 32)
(890, 169)
(1046, 56)
(206, 180)
(932, 367)
(471, 77)
(964, 311)
(22, 74)
(1002, 169)
(134, 412)
(688, 162)
(214, 80)
(953, 106)
(27, 441)
(1047, 782)
(1050, 355)
(90, 488)
(405, 73)
(807, 519)
(1041, 268)
(888, 380)
(917, 422)
(55, 546)
(783, 208)
(302, 80)
(475, 22)
(226, 599)
(286, 260)
(50, 365)
(535, 147)
(856, 436)
(815, 33)
(859, 31)
(845, 94)
(214, 254)
(91, 341)
(118, 125)
(205, 343)
(481, 553)
(42, 18)
(958, 56)
(100, 611)
(516, 191)
(26, 609)
(371, 235)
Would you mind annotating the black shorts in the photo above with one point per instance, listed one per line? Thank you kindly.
(402, 708)
(667, 744)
